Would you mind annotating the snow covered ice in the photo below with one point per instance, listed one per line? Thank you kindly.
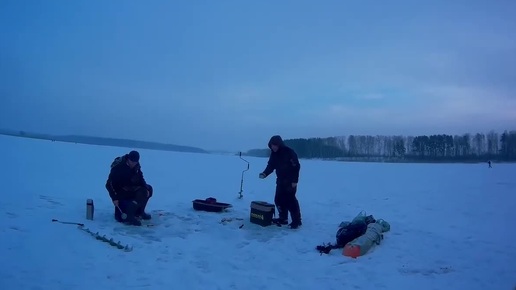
(452, 225)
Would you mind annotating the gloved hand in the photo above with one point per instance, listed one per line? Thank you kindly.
(261, 175)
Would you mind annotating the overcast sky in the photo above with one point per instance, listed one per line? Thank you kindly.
(229, 74)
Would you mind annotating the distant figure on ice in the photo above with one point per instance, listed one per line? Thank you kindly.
(489, 162)
(128, 189)
(284, 160)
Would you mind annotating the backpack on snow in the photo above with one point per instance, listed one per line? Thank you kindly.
(347, 232)
(350, 232)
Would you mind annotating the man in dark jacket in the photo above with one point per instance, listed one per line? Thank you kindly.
(284, 160)
(128, 189)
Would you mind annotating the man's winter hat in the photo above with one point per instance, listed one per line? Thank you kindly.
(276, 140)
(134, 156)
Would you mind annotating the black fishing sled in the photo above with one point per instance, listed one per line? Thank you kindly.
(210, 204)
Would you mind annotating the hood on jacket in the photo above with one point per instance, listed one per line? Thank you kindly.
(276, 140)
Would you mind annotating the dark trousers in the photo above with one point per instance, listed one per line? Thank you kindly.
(286, 201)
(134, 205)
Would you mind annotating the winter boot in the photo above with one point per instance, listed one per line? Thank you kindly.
(131, 219)
(280, 221)
(295, 224)
(282, 218)
(295, 214)
(140, 212)
(144, 216)
(142, 199)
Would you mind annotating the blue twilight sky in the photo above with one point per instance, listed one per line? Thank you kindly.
(229, 74)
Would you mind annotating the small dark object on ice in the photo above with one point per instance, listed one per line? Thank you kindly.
(325, 249)
(210, 204)
(68, 223)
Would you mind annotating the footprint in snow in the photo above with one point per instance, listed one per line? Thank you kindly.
(51, 201)
(425, 272)
(11, 215)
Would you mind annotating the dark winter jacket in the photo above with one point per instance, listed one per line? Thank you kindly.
(284, 161)
(123, 180)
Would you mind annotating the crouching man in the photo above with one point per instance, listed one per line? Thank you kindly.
(128, 189)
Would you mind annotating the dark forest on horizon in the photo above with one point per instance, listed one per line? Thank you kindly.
(479, 147)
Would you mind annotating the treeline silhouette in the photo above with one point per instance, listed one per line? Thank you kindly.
(116, 142)
(477, 147)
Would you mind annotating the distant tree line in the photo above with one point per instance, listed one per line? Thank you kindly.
(116, 142)
(424, 148)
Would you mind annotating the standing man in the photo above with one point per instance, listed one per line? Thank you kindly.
(128, 189)
(284, 160)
